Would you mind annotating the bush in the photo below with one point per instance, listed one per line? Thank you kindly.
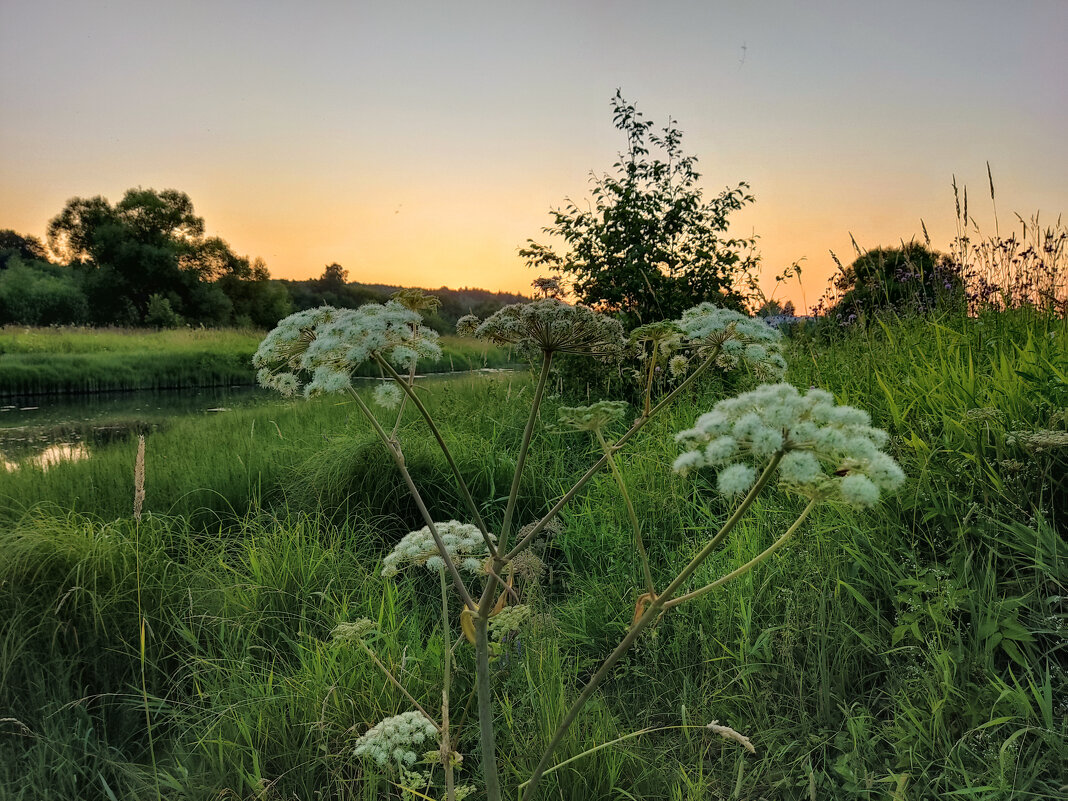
(33, 296)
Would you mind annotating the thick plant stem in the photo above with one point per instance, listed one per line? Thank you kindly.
(485, 710)
(652, 612)
(756, 560)
(618, 476)
(635, 427)
(410, 393)
(446, 745)
(485, 692)
(398, 458)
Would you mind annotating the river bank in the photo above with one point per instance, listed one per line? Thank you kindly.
(65, 361)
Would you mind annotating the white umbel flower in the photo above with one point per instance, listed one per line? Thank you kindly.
(324, 346)
(737, 338)
(397, 740)
(828, 452)
(387, 395)
(463, 543)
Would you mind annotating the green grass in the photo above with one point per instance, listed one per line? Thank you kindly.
(74, 360)
(913, 651)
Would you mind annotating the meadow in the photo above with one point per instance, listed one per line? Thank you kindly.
(70, 359)
(912, 651)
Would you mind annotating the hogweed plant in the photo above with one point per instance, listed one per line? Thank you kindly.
(802, 442)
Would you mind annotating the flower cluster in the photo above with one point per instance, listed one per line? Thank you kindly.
(828, 451)
(463, 543)
(507, 621)
(735, 338)
(395, 739)
(352, 633)
(323, 346)
(551, 326)
(387, 395)
(594, 417)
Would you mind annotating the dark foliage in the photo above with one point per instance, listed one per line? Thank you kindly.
(647, 245)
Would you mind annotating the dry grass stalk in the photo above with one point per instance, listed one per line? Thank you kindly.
(139, 479)
(728, 733)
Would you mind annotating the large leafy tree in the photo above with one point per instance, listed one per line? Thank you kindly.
(647, 245)
(151, 245)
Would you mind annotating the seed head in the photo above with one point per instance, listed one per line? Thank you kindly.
(552, 326)
(736, 338)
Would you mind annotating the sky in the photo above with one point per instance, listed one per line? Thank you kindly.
(422, 143)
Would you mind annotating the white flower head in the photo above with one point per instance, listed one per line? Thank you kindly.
(387, 395)
(397, 739)
(324, 346)
(828, 452)
(463, 543)
(736, 338)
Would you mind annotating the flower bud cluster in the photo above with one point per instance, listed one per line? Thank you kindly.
(507, 621)
(323, 346)
(828, 451)
(352, 633)
(463, 543)
(594, 417)
(397, 739)
(736, 338)
(551, 326)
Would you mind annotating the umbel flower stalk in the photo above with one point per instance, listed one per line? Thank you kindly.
(800, 425)
(317, 351)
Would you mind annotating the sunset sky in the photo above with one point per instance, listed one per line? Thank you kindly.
(421, 143)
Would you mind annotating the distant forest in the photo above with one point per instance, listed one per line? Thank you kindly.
(145, 261)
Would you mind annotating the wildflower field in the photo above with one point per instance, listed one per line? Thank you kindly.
(275, 626)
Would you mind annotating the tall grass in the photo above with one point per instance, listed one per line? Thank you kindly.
(914, 651)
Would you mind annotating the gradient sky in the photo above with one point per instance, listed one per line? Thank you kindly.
(424, 142)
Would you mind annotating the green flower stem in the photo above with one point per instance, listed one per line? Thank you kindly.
(389, 675)
(756, 560)
(649, 381)
(404, 400)
(524, 446)
(635, 427)
(410, 393)
(398, 457)
(630, 513)
(652, 612)
(487, 738)
(446, 746)
(485, 692)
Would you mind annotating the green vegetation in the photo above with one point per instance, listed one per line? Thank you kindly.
(913, 651)
(68, 360)
(647, 244)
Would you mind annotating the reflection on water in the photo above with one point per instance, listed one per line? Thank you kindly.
(43, 431)
(51, 455)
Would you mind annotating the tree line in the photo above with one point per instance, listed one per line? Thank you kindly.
(146, 261)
